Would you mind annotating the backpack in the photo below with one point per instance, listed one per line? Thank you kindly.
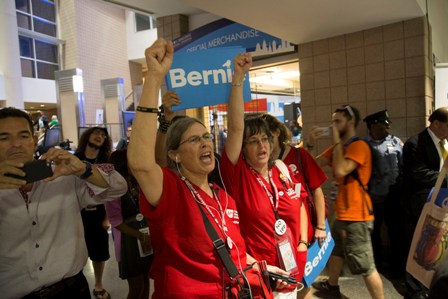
(355, 175)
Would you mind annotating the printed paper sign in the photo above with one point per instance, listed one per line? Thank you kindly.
(204, 78)
(318, 257)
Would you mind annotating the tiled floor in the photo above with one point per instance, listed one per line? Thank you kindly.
(352, 287)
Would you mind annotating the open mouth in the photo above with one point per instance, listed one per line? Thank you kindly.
(206, 157)
(262, 155)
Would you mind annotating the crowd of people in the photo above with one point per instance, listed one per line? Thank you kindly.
(203, 225)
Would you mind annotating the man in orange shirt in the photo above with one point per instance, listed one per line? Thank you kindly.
(350, 159)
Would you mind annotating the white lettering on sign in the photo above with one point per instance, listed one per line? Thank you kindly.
(222, 40)
(179, 78)
(310, 265)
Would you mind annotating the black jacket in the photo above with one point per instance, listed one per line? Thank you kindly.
(421, 164)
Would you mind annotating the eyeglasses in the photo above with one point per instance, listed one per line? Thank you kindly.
(99, 132)
(257, 141)
(350, 111)
(195, 139)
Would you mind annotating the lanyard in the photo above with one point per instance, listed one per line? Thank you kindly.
(25, 197)
(198, 198)
(272, 197)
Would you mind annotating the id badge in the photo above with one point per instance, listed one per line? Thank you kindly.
(285, 252)
(144, 248)
(298, 189)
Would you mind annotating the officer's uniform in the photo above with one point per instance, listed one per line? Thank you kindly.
(384, 185)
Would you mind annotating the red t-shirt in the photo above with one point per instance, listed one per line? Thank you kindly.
(314, 174)
(256, 212)
(186, 265)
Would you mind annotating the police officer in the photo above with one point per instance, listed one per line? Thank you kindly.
(384, 188)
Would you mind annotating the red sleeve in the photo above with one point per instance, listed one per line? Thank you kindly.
(314, 173)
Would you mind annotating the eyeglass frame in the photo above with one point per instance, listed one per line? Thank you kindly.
(196, 139)
(258, 141)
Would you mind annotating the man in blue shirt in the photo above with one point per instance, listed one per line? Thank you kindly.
(384, 186)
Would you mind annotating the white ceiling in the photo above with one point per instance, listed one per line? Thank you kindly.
(296, 21)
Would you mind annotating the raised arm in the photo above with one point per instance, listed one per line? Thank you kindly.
(141, 152)
(235, 126)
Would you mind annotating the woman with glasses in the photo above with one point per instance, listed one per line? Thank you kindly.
(305, 170)
(186, 264)
(308, 173)
(272, 217)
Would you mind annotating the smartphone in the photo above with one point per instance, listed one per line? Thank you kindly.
(35, 171)
(324, 131)
(288, 279)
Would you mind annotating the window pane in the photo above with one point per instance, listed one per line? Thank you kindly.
(27, 68)
(44, 9)
(44, 27)
(154, 22)
(142, 22)
(23, 21)
(46, 71)
(26, 47)
(47, 52)
(23, 5)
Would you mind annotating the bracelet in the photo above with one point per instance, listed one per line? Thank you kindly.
(320, 228)
(163, 124)
(88, 171)
(237, 84)
(337, 143)
(147, 110)
(304, 242)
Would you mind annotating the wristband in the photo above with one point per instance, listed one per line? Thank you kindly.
(88, 171)
(147, 109)
(237, 84)
(320, 228)
(304, 242)
(163, 124)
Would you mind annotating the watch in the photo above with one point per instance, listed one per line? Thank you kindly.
(88, 171)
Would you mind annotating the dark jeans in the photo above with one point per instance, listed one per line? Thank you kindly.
(75, 287)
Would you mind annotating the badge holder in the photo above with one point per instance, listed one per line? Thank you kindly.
(285, 248)
(145, 248)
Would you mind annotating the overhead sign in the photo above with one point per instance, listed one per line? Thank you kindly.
(204, 78)
(226, 33)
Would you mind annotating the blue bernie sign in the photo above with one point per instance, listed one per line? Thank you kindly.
(204, 78)
(318, 257)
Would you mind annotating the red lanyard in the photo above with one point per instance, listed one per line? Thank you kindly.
(272, 197)
(200, 200)
(25, 196)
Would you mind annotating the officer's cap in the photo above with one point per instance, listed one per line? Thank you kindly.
(377, 117)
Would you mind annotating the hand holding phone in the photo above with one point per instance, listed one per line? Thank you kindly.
(323, 131)
(35, 170)
(288, 279)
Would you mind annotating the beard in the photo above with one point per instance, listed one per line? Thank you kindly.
(94, 146)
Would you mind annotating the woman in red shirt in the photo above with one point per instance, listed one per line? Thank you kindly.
(186, 264)
(273, 219)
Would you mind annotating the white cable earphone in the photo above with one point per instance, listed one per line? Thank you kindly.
(177, 159)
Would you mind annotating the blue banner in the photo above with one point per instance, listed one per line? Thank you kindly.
(441, 199)
(204, 78)
(226, 33)
(318, 257)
